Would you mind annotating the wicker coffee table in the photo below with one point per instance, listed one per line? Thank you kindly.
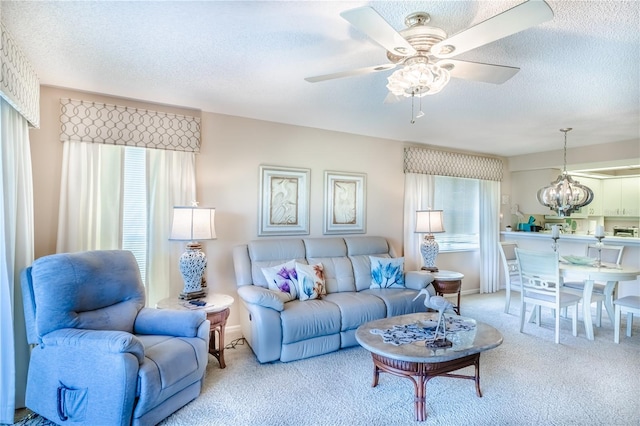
(419, 363)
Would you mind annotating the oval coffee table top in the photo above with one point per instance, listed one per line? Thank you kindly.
(480, 338)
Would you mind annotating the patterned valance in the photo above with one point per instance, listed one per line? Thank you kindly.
(454, 164)
(19, 84)
(84, 121)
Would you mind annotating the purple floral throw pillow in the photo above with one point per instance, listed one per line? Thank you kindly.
(283, 280)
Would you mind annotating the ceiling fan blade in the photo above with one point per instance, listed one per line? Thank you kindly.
(369, 22)
(392, 99)
(476, 71)
(351, 73)
(516, 19)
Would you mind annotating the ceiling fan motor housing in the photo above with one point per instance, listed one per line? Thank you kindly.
(420, 36)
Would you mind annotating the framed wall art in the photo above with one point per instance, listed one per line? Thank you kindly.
(284, 201)
(344, 203)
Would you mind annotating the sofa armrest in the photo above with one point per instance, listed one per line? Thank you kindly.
(169, 322)
(105, 341)
(417, 280)
(261, 296)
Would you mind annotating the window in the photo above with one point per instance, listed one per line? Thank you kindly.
(459, 200)
(134, 214)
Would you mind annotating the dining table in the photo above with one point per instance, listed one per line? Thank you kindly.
(610, 273)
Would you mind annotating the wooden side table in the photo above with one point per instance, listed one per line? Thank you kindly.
(217, 309)
(448, 282)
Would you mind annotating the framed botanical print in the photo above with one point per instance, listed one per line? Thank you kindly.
(284, 201)
(344, 203)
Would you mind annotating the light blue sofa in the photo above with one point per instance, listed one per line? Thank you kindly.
(293, 330)
(101, 357)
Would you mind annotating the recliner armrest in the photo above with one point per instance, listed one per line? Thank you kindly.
(261, 296)
(417, 280)
(109, 341)
(169, 322)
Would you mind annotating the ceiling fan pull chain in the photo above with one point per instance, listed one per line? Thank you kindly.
(413, 93)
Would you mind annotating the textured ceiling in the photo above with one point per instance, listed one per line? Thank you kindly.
(250, 58)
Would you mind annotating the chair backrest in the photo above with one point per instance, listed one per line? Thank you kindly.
(609, 253)
(539, 271)
(509, 260)
(97, 290)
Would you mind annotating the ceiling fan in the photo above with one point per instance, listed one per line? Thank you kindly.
(425, 52)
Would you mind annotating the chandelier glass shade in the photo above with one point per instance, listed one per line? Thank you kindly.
(418, 77)
(565, 195)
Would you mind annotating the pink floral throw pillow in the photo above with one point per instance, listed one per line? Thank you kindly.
(311, 282)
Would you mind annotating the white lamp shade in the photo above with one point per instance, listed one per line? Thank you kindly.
(193, 224)
(429, 221)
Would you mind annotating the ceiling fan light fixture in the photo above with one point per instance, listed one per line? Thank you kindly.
(418, 78)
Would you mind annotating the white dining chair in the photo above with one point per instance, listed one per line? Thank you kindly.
(542, 286)
(630, 305)
(510, 268)
(609, 254)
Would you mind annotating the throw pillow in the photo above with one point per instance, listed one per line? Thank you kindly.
(310, 281)
(283, 280)
(387, 272)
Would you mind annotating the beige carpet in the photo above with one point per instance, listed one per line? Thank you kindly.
(528, 380)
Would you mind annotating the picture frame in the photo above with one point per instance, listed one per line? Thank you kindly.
(284, 201)
(344, 203)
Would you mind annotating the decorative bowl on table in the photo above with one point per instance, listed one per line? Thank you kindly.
(579, 260)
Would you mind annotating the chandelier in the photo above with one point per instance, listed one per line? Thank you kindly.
(418, 77)
(565, 195)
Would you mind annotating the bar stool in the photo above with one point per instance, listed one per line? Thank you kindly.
(630, 305)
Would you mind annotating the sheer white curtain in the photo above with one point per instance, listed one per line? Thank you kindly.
(489, 236)
(91, 203)
(170, 182)
(418, 195)
(16, 252)
(90, 197)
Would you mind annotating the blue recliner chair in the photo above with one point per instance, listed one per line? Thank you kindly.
(101, 357)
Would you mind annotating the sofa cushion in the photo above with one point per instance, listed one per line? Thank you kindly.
(338, 273)
(283, 280)
(311, 284)
(305, 320)
(168, 362)
(399, 301)
(357, 308)
(387, 272)
(267, 253)
(332, 253)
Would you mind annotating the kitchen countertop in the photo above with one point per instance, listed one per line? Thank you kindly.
(608, 239)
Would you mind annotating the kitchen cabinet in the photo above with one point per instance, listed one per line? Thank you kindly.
(595, 207)
(621, 197)
(630, 200)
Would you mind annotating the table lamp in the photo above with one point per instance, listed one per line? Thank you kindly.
(429, 222)
(193, 224)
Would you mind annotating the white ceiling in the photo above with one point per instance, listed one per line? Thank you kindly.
(250, 58)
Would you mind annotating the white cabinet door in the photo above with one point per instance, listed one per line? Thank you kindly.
(630, 196)
(611, 197)
(621, 197)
